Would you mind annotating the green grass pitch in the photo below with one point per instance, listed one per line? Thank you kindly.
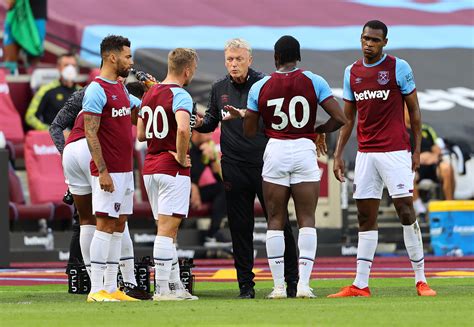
(394, 303)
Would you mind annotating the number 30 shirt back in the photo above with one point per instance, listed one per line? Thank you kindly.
(287, 102)
(159, 106)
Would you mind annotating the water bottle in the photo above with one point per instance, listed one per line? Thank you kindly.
(49, 240)
(142, 77)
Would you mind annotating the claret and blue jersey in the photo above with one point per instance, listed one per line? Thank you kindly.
(288, 101)
(159, 107)
(111, 101)
(378, 91)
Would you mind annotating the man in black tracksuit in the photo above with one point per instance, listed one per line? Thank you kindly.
(242, 162)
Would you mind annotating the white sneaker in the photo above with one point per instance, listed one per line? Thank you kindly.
(185, 295)
(305, 292)
(279, 292)
(180, 291)
(168, 296)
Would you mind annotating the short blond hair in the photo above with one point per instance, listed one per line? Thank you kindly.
(180, 58)
(237, 43)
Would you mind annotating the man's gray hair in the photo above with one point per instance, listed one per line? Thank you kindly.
(237, 44)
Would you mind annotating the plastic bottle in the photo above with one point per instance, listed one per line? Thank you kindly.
(142, 77)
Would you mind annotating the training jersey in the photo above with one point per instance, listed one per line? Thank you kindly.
(287, 102)
(377, 91)
(111, 101)
(159, 107)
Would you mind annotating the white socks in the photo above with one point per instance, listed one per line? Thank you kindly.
(85, 239)
(175, 273)
(414, 246)
(307, 244)
(110, 278)
(99, 252)
(275, 253)
(127, 262)
(365, 255)
(163, 252)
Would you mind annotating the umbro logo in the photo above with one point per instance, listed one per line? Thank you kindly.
(114, 97)
(401, 186)
(358, 80)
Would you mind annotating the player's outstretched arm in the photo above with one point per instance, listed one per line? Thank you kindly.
(337, 117)
(415, 124)
(91, 127)
(344, 135)
(233, 113)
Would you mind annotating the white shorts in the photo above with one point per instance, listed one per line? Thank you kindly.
(169, 195)
(119, 202)
(76, 167)
(287, 162)
(374, 169)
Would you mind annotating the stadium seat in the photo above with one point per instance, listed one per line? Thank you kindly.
(45, 175)
(18, 208)
(10, 123)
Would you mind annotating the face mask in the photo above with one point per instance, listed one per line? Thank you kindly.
(69, 73)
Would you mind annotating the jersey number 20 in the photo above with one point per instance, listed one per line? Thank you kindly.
(278, 103)
(152, 122)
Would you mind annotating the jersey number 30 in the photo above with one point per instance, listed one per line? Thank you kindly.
(278, 103)
(152, 122)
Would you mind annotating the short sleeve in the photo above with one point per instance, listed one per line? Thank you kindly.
(347, 93)
(182, 100)
(94, 99)
(252, 99)
(321, 87)
(135, 102)
(405, 78)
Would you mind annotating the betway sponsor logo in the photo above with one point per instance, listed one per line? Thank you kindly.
(439, 99)
(144, 238)
(41, 150)
(369, 95)
(124, 111)
(348, 250)
(35, 240)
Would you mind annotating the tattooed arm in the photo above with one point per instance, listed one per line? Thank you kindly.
(91, 127)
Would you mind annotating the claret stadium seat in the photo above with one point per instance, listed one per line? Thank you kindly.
(19, 210)
(45, 174)
(10, 122)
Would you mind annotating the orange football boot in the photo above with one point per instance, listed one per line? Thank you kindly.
(424, 290)
(351, 291)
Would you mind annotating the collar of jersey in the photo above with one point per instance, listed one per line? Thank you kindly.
(375, 63)
(107, 80)
(291, 71)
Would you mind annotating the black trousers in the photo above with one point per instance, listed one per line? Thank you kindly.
(215, 194)
(241, 185)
